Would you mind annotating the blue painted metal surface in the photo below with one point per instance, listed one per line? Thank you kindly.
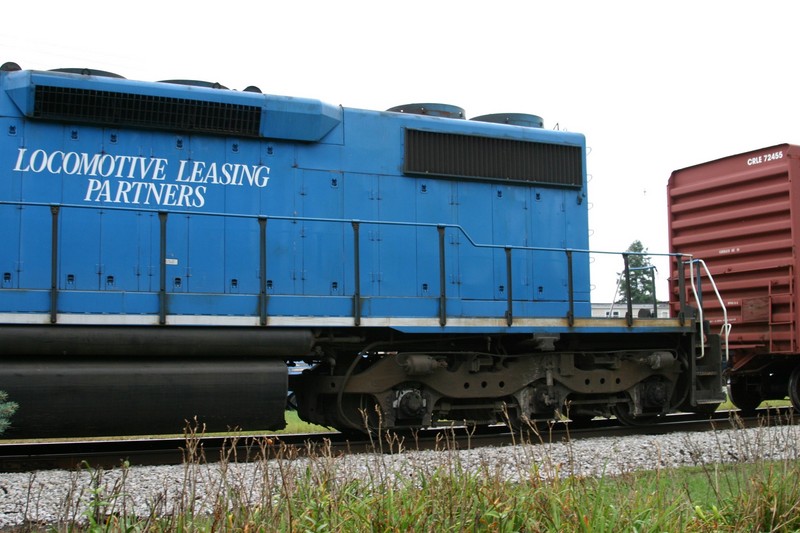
(348, 238)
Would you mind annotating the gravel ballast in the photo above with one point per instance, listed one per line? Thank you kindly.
(48, 497)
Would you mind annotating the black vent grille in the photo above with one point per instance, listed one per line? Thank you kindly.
(143, 111)
(467, 156)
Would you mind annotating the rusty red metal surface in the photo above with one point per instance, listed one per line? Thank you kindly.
(740, 214)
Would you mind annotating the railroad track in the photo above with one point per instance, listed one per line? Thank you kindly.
(69, 455)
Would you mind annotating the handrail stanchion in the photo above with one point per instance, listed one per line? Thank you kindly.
(54, 209)
(681, 269)
(509, 295)
(655, 300)
(356, 275)
(262, 270)
(570, 291)
(442, 279)
(162, 269)
(628, 298)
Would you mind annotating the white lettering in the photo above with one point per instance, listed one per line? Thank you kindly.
(36, 164)
(71, 164)
(94, 186)
(50, 162)
(181, 167)
(139, 180)
(211, 174)
(764, 158)
(144, 169)
(20, 156)
(228, 178)
(260, 178)
(121, 160)
(122, 192)
(89, 166)
(196, 171)
(159, 169)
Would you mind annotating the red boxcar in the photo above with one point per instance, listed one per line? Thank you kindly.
(741, 215)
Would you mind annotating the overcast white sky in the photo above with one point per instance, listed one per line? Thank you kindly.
(654, 86)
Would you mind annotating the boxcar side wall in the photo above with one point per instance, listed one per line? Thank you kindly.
(740, 215)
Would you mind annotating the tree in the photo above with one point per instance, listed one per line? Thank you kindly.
(642, 276)
(7, 409)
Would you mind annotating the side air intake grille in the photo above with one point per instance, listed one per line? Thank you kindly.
(467, 156)
(143, 111)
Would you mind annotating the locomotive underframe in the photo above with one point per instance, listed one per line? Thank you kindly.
(578, 377)
(155, 379)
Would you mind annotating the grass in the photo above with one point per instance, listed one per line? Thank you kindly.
(293, 426)
(296, 426)
(727, 404)
(282, 493)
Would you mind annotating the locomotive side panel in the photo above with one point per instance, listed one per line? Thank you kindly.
(110, 201)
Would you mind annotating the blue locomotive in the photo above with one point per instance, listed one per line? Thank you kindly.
(170, 248)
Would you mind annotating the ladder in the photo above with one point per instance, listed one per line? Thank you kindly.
(785, 345)
(711, 351)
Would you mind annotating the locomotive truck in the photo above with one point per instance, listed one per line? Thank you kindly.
(171, 249)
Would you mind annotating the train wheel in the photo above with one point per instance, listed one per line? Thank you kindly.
(794, 388)
(623, 413)
(746, 399)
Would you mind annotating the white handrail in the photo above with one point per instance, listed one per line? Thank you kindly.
(726, 326)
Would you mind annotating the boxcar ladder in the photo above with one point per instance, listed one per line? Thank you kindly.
(773, 345)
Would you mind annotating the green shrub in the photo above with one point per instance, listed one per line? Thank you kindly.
(7, 410)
